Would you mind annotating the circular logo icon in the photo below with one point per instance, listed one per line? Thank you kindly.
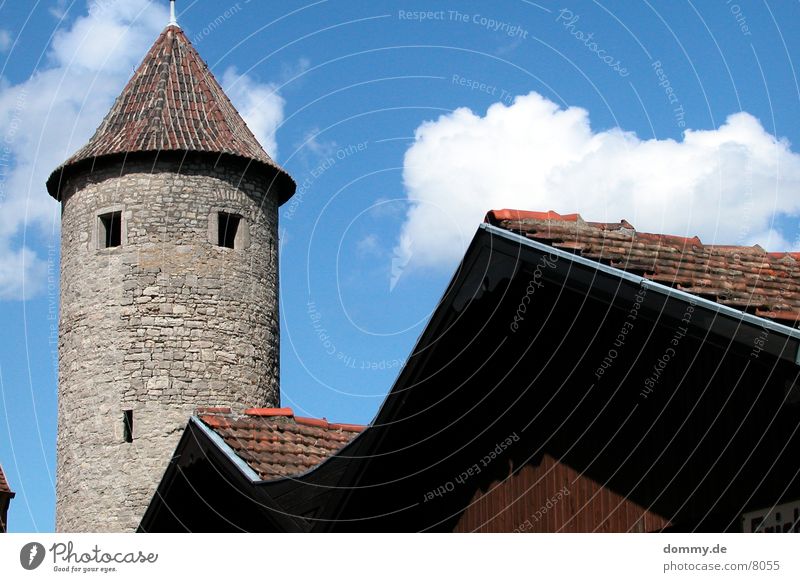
(31, 555)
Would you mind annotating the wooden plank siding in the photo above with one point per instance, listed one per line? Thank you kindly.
(577, 504)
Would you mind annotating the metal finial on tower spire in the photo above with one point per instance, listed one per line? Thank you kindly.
(173, 21)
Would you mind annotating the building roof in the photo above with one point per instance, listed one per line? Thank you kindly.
(746, 278)
(173, 103)
(4, 486)
(445, 412)
(275, 443)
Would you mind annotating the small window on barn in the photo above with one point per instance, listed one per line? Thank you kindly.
(228, 226)
(127, 425)
(109, 230)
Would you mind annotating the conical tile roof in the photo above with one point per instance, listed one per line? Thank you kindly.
(173, 103)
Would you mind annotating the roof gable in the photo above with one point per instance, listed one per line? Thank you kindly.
(275, 443)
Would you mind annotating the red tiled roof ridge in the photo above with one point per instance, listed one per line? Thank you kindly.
(785, 255)
(324, 423)
(172, 103)
(269, 412)
(219, 414)
(495, 217)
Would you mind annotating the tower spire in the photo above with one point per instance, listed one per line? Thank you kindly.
(173, 21)
(173, 103)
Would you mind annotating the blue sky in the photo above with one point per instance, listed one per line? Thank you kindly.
(402, 123)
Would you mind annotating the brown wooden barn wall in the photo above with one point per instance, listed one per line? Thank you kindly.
(518, 504)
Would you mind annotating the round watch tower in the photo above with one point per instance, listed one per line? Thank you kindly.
(169, 283)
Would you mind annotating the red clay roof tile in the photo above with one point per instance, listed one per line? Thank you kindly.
(269, 412)
(173, 103)
(280, 445)
(320, 422)
(347, 427)
(4, 487)
(747, 278)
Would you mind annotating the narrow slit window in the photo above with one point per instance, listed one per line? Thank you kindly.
(228, 225)
(109, 230)
(127, 425)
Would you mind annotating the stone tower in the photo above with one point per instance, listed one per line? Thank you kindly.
(169, 283)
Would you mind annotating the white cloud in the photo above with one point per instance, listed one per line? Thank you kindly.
(259, 104)
(369, 246)
(12, 263)
(59, 10)
(724, 185)
(313, 144)
(293, 71)
(5, 40)
(48, 117)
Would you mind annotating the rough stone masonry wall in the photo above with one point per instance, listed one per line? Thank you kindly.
(160, 325)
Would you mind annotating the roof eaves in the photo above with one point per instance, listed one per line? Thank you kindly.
(649, 284)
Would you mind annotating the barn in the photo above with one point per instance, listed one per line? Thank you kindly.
(575, 377)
